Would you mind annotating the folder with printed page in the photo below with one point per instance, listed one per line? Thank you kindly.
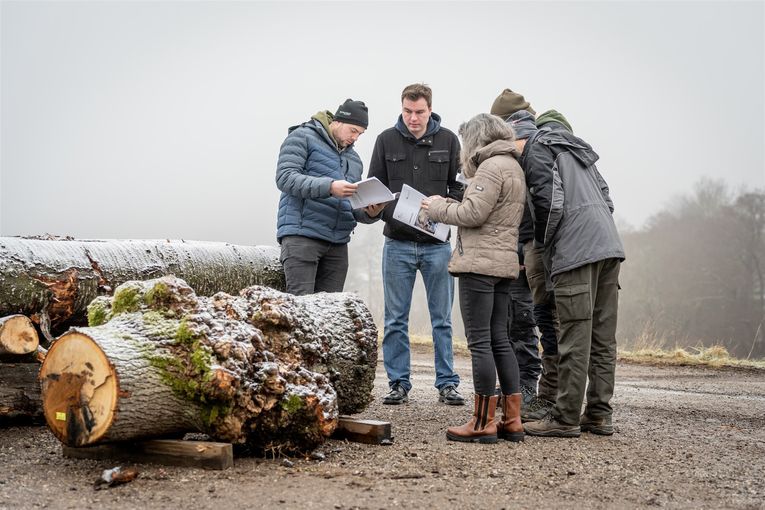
(370, 192)
(409, 210)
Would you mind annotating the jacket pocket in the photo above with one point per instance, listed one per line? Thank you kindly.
(396, 165)
(574, 302)
(438, 165)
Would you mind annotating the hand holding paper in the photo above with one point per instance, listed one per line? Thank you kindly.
(370, 192)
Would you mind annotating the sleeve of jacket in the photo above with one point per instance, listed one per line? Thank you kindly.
(604, 190)
(378, 168)
(291, 172)
(455, 190)
(545, 192)
(477, 203)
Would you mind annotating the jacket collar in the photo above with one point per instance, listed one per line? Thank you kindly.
(434, 125)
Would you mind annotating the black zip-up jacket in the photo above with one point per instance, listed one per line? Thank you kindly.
(430, 165)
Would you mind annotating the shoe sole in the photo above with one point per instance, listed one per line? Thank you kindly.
(481, 439)
(395, 402)
(600, 431)
(513, 437)
(554, 433)
(451, 402)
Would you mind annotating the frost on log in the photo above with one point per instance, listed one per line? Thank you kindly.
(265, 369)
(53, 280)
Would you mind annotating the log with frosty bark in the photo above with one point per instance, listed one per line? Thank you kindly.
(266, 369)
(18, 335)
(20, 392)
(53, 280)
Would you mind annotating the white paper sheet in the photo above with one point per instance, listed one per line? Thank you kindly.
(408, 211)
(370, 191)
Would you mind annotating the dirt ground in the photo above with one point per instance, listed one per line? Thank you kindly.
(686, 438)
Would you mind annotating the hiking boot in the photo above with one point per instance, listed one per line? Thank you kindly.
(550, 427)
(450, 396)
(510, 427)
(600, 425)
(527, 396)
(536, 410)
(481, 428)
(397, 395)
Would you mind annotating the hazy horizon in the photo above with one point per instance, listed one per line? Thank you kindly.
(164, 119)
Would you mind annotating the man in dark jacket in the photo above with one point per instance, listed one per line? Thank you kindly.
(419, 152)
(582, 252)
(316, 173)
(531, 305)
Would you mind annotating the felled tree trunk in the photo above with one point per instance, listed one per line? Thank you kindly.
(53, 280)
(20, 392)
(18, 335)
(266, 369)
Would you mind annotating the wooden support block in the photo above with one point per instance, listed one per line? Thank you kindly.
(169, 452)
(363, 431)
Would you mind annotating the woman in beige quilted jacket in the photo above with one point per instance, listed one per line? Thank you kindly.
(485, 259)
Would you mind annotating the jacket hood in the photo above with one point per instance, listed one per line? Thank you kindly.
(495, 148)
(318, 121)
(563, 141)
(434, 124)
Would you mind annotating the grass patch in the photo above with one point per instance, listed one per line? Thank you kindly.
(716, 356)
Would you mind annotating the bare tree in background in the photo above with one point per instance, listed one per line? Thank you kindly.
(694, 274)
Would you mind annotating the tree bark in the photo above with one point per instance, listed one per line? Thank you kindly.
(266, 369)
(20, 392)
(17, 335)
(53, 280)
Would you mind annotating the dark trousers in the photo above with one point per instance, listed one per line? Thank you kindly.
(545, 314)
(483, 303)
(313, 265)
(522, 329)
(587, 301)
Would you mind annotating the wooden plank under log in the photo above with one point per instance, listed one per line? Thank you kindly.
(168, 452)
(363, 431)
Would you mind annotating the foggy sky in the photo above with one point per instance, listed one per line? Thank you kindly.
(164, 119)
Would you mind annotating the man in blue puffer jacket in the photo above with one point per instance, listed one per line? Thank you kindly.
(316, 173)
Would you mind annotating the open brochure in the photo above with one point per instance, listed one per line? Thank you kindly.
(369, 192)
(408, 211)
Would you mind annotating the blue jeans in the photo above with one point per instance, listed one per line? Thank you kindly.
(401, 260)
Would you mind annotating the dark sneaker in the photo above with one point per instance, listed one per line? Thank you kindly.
(550, 427)
(450, 396)
(536, 410)
(397, 395)
(600, 425)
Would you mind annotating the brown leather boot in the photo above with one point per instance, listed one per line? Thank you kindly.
(481, 428)
(510, 428)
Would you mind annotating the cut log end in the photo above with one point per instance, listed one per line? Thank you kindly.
(17, 335)
(80, 390)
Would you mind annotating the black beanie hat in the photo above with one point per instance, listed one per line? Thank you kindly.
(353, 112)
(523, 124)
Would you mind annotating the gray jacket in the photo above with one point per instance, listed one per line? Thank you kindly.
(570, 204)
